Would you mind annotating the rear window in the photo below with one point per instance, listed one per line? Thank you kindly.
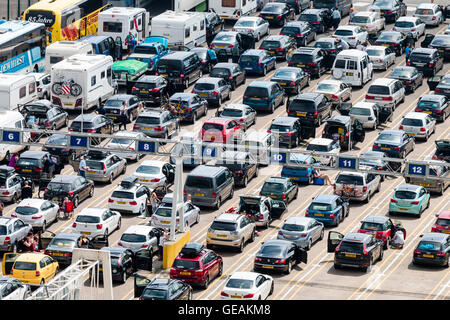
(303, 105)
(224, 38)
(239, 284)
(403, 194)
(145, 85)
(62, 243)
(219, 73)
(372, 226)
(273, 187)
(317, 147)
(360, 111)
(401, 73)
(131, 237)
(272, 250)
(339, 64)
(164, 212)
(154, 294)
(386, 137)
(348, 246)
(122, 195)
(317, 206)
(279, 128)
(268, 44)
(256, 92)
(412, 122)
(428, 245)
(231, 113)
(96, 165)
(2, 230)
(165, 65)
(350, 179)
(440, 222)
(148, 169)
(26, 266)
(308, 17)
(212, 127)
(293, 227)
(249, 58)
(375, 52)
(186, 264)
(428, 104)
(344, 33)
(404, 24)
(360, 19)
(301, 58)
(77, 125)
(145, 50)
(59, 187)
(26, 210)
(199, 182)
(28, 162)
(115, 103)
(147, 120)
(224, 226)
(376, 89)
(420, 57)
(87, 219)
(204, 86)
(424, 11)
(388, 37)
(290, 30)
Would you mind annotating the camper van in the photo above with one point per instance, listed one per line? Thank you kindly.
(16, 89)
(61, 50)
(181, 28)
(233, 9)
(82, 81)
(119, 22)
(352, 67)
(15, 120)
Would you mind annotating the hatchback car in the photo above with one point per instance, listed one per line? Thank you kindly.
(230, 230)
(303, 231)
(191, 106)
(126, 141)
(129, 197)
(354, 250)
(430, 13)
(409, 198)
(391, 10)
(43, 84)
(279, 188)
(75, 188)
(300, 33)
(386, 92)
(57, 144)
(392, 39)
(367, 113)
(220, 130)
(298, 173)
(213, 90)
(103, 166)
(97, 221)
(229, 41)
(162, 217)
(279, 255)
(429, 61)
(230, 72)
(395, 143)
(31, 165)
(435, 105)
(310, 59)
(12, 289)
(371, 21)
(443, 87)
(441, 42)
(38, 213)
(138, 237)
(418, 125)
(329, 210)
(11, 184)
(113, 104)
(359, 186)
(314, 107)
(442, 150)
(410, 25)
(442, 223)
(157, 124)
(433, 249)
(381, 57)
(264, 95)
(286, 130)
(319, 19)
(329, 146)
(92, 123)
(244, 286)
(12, 232)
(122, 263)
(291, 79)
(207, 56)
(241, 113)
(162, 289)
(241, 164)
(152, 90)
(436, 169)
(344, 129)
(155, 173)
(336, 91)
(331, 47)
(280, 46)
(43, 114)
(374, 160)
(409, 76)
(277, 13)
(255, 26)
(257, 61)
(351, 35)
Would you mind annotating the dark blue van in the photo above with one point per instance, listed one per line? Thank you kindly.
(264, 95)
(180, 68)
(105, 45)
(257, 61)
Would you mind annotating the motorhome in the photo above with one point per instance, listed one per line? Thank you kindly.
(82, 81)
(61, 50)
(233, 9)
(16, 89)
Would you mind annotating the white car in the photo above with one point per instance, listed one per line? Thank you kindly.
(381, 57)
(138, 237)
(385, 91)
(335, 90)
(155, 173)
(13, 289)
(43, 85)
(252, 25)
(163, 216)
(39, 213)
(410, 25)
(418, 125)
(351, 35)
(129, 198)
(429, 13)
(365, 113)
(324, 145)
(97, 221)
(127, 141)
(369, 20)
(247, 286)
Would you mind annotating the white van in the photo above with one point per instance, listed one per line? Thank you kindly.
(119, 22)
(233, 9)
(181, 28)
(60, 50)
(14, 120)
(16, 89)
(82, 81)
(352, 67)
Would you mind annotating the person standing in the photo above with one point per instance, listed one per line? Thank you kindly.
(352, 14)
(100, 109)
(13, 160)
(123, 115)
(360, 46)
(131, 41)
(336, 15)
(407, 52)
(82, 167)
(344, 44)
(162, 239)
(1, 208)
(27, 192)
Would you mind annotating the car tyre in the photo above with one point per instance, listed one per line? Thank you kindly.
(219, 203)
(309, 245)
(75, 202)
(369, 195)
(119, 224)
(245, 182)
(241, 246)
(123, 277)
(322, 233)
(206, 282)
(386, 243)
(289, 269)
(91, 192)
(44, 226)
(337, 266)
(220, 270)
(194, 118)
(381, 255)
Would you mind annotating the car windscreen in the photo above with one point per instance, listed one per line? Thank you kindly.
(145, 169)
(411, 122)
(404, 24)
(145, 50)
(145, 85)
(59, 187)
(349, 246)
(239, 284)
(223, 226)
(231, 113)
(343, 33)
(123, 195)
(429, 245)
(25, 266)
(125, 141)
(204, 86)
(317, 206)
(350, 179)
(375, 52)
(308, 17)
(62, 243)
(440, 222)
(219, 73)
(293, 227)
(386, 137)
(359, 111)
(256, 92)
(401, 73)
(420, 57)
(279, 128)
(186, 264)
(285, 74)
(272, 8)
(212, 127)
(77, 125)
(270, 44)
(164, 212)
(148, 120)
(328, 87)
(376, 89)
(57, 140)
(87, 219)
(28, 162)
(290, 31)
(26, 210)
(154, 294)
(245, 23)
(317, 147)
(132, 237)
(323, 45)
(199, 182)
(404, 194)
(360, 19)
(249, 59)
(424, 11)
(167, 65)
(2, 230)
(372, 226)
(270, 250)
(301, 58)
(273, 187)
(96, 165)
(302, 105)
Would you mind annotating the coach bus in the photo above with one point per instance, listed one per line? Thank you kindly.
(67, 19)
(22, 46)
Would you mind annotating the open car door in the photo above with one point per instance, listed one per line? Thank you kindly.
(334, 239)
(74, 161)
(247, 42)
(99, 242)
(328, 59)
(277, 209)
(140, 282)
(301, 255)
(385, 114)
(118, 49)
(397, 225)
(344, 108)
(8, 261)
(143, 260)
(160, 191)
(45, 239)
(359, 132)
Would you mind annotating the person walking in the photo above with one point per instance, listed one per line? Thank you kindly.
(162, 239)
(27, 192)
(82, 167)
(123, 115)
(352, 14)
(407, 52)
(84, 242)
(13, 160)
(336, 15)
(360, 46)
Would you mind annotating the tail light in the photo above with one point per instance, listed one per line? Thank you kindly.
(283, 196)
(261, 216)
(408, 63)
(247, 296)
(437, 90)
(242, 120)
(415, 202)
(231, 46)
(292, 84)
(74, 225)
(110, 200)
(280, 233)
(7, 239)
(213, 194)
(38, 169)
(144, 246)
(269, 131)
(369, 97)
(437, 111)
(440, 254)
(39, 89)
(155, 90)
(198, 272)
(417, 252)
(352, 38)
(280, 261)
(400, 127)
(120, 244)
(290, 63)
(376, 43)
(70, 129)
(99, 226)
(266, 98)
(431, 64)
(281, 34)
(36, 217)
(374, 146)
(133, 203)
(389, 11)
(224, 294)
(230, 77)
(204, 62)
(70, 193)
(290, 133)
(239, 172)
(334, 96)
(57, 101)
(257, 259)
(136, 127)
(182, 75)
(423, 129)
(278, 17)
(215, 93)
(387, 98)
(316, 22)
(366, 253)
(91, 131)
(413, 29)
(434, 18)
(67, 254)
(303, 235)
(417, 109)
(159, 128)
(332, 215)
(364, 189)
(312, 64)
(397, 148)
(38, 273)
(16, 168)
(155, 180)
(393, 201)
(395, 44)
(408, 82)
(79, 102)
(260, 64)
(5, 193)
(316, 114)
(48, 124)
(307, 213)
(134, 89)
(211, 46)
(13, 215)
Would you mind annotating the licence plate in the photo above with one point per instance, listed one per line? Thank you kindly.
(283, 83)
(412, 134)
(272, 196)
(114, 118)
(272, 52)
(446, 231)
(57, 254)
(236, 297)
(144, 91)
(220, 46)
(165, 222)
(402, 209)
(203, 94)
(185, 273)
(384, 148)
(69, 104)
(429, 112)
(144, 180)
(91, 171)
(269, 18)
(147, 128)
(301, 114)
(26, 170)
(441, 50)
(121, 202)
(385, 45)
(221, 236)
(199, 194)
(256, 98)
(350, 255)
(319, 214)
(425, 184)
(301, 65)
(86, 233)
(428, 256)
(349, 73)
(267, 267)
(293, 178)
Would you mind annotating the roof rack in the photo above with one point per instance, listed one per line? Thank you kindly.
(192, 249)
(129, 182)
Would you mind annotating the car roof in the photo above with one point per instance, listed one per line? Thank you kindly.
(115, 249)
(42, 102)
(313, 11)
(31, 257)
(218, 120)
(426, 6)
(253, 52)
(64, 178)
(285, 120)
(325, 198)
(124, 133)
(352, 53)
(277, 242)
(296, 23)
(309, 96)
(151, 113)
(32, 202)
(238, 106)
(234, 155)
(357, 237)
(348, 27)
(121, 96)
(365, 13)
(96, 212)
(155, 163)
(397, 33)
(364, 104)
(343, 119)
(404, 68)
(444, 214)
(33, 154)
(304, 50)
(302, 221)
(209, 80)
(6, 220)
(66, 235)
(416, 115)
(432, 97)
(277, 179)
(228, 217)
(407, 18)
(149, 78)
(326, 39)
(161, 283)
(184, 95)
(423, 50)
(244, 275)
(408, 187)
(139, 229)
(86, 117)
(275, 37)
(376, 219)
(393, 132)
(248, 18)
(225, 65)
(321, 141)
(331, 81)
(435, 236)
(178, 55)
(383, 81)
(206, 171)
(261, 83)
(352, 173)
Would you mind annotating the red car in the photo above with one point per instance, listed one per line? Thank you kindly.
(382, 228)
(442, 223)
(220, 130)
(196, 265)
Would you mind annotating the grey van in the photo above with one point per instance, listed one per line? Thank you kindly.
(209, 186)
(343, 5)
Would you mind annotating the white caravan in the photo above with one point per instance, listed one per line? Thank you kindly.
(233, 9)
(16, 89)
(60, 50)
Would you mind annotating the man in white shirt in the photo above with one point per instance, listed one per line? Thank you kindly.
(336, 16)
(123, 116)
(399, 239)
(82, 167)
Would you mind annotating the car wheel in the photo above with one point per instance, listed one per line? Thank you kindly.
(368, 268)
(309, 245)
(44, 226)
(289, 269)
(220, 270)
(264, 71)
(245, 182)
(381, 255)
(321, 234)
(106, 233)
(337, 266)
(369, 195)
(197, 220)
(123, 277)
(219, 203)
(206, 282)
(119, 224)
(271, 289)
(111, 178)
(252, 237)
(233, 86)
(386, 243)
(91, 192)
(14, 247)
(258, 37)
(231, 193)
(194, 118)
(75, 202)
(241, 246)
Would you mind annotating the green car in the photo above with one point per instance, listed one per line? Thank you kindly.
(278, 188)
(409, 198)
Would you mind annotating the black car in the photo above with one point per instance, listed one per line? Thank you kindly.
(286, 130)
(442, 150)
(241, 164)
(208, 60)
(230, 72)
(409, 76)
(188, 106)
(279, 46)
(345, 130)
(359, 250)
(92, 123)
(279, 255)
(310, 59)
(429, 61)
(291, 79)
(320, 19)
(152, 90)
(443, 86)
(310, 106)
(441, 42)
(391, 10)
(113, 104)
(433, 249)
(43, 114)
(436, 105)
(76, 188)
(393, 39)
(161, 289)
(58, 144)
(427, 40)
(277, 13)
(31, 165)
(214, 24)
(301, 32)
(298, 5)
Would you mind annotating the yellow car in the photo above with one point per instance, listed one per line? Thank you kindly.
(32, 268)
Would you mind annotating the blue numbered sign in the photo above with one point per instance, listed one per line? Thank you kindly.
(347, 163)
(208, 151)
(81, 142)
(416, 169)
(278, 157)
(11, 136)
(145, 146)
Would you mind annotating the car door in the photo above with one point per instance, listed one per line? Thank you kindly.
(50, 209)
(143, 259)
(8, 261)
(45, 239)
(140, 283)
(98, 242)
(370, 183)
(109, 221)
(334, 239)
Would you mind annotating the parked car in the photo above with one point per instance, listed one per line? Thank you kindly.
(264, 95)
(363, 185)
(291, 79)
(31, 165)
(214, 24)
(157, 124)
(319, 18)
(43, 85)
(13, 231)
(43, 114)
(429, 61)
(382, 57)
(113, 104)
(129, 197)
(245, 286)
(58, 145)
(367, 113)
(435, 105)
(410, 25)
(315, 107)
(382, 228)
(255, 26)
(442, 150)
(441, 42)
(409, 198)
(279, 188)
(324, 145)
(351, 35)
(220, 130)
(301, 33)
(152, 90)
(442, 223)
(241, 164)
(394, 40)
(137, 237)
(386, 92)
(126, 141)
(311, 60)
(427, 40)
(433, 249)
(334, 90)
(443, 86)
(371, 21)
(303, 231)
(232, 73)
(374, 160)
(286, 130)
(162, 217)
(191, 106)
(11, 184)
(207, 56)
(103, 166)
(92, 123)
(257, 61)
(75, 188)
(430, 13)
(12, 289)
(162, 289)
(38, 213)
(395, 143)
(279, 255)
(433, 185)
(241, 113)
(277, 13)
(123, 263)
(329, 210)
(391, 10)
(97, 221)
(155, 173)
(409, 76)
(213, 90)
(298, 173)
(418, 125)
(345, 129)
(280, 46)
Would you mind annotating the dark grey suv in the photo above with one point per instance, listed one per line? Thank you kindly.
(157, 124)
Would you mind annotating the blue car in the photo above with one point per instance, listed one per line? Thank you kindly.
(394, 143)
(150, 51)
(298, 173)
(328, 209)
(264, 95)
(257, 61)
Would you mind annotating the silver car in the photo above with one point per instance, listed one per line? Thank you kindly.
(105, 168)
(303, 231)
(429, 13)
(156, 124)
(255, 26)
(163, 215)
(381, 57)
(225, 40)
(12, 231)
(242, 113)
(11, 184)
(43, 85)
(213, 90)
(336, 91)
